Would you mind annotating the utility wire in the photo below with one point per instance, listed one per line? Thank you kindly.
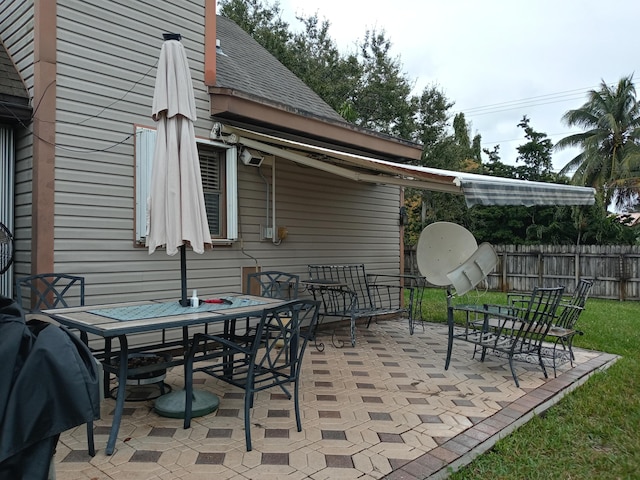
(91, 117)
(539, 100)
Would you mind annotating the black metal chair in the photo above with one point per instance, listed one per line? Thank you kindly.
(55, 290)
(273, 284)
(506, 329)
(272, 357)
(563, 328)
(51, 290)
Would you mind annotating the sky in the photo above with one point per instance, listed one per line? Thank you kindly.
(497, 60)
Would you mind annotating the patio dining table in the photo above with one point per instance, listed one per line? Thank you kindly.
(122, 320)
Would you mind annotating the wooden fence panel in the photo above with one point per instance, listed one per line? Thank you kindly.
(615, 269)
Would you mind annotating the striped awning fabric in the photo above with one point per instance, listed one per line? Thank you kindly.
(477, 189)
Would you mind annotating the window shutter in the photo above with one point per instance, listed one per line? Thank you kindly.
(212, 187)
(145, 146)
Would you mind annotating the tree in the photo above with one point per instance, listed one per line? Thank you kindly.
(443, 148)
(383, 102)
(610, 157)
(316, 60)
(263, 23)
(535, 154)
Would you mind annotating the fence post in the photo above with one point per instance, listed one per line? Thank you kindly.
(623, 277)
(540, 269)
(505, 288)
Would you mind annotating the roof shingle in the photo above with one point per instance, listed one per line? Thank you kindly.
(244, 65)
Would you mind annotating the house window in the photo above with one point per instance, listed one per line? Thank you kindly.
(213, 186)
(218, 168)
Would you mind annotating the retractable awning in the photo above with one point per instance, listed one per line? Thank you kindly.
(477, 189)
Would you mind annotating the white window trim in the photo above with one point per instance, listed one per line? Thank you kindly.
(144, 150)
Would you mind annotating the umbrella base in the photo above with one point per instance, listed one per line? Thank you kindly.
(172, 404)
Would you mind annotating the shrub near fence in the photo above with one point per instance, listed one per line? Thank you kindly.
(615, 269)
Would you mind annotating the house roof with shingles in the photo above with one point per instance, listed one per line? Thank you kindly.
(254, 90)
(243, 64)
(14, 98)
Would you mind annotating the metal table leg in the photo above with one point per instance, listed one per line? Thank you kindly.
(122, 378)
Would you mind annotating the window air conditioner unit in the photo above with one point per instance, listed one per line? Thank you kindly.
(251, 157)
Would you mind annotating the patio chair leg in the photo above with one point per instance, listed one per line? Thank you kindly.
(555, 346)
(544, 370)
(91, 444)
(353, 331)
(296, 405)
(248, 403)
(449, 348)
(513, 371)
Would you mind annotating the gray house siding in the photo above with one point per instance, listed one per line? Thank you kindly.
(107, 53)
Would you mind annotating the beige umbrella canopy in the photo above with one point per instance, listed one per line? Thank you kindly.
(177, 214)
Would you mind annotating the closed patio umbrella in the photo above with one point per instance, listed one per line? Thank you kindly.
(177, 214)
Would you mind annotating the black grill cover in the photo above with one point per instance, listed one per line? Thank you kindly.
(48, 384)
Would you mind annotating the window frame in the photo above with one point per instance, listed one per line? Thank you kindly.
(143, 159)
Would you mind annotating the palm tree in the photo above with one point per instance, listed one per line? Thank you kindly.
(610, 157)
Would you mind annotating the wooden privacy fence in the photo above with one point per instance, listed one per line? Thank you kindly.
(615, 269)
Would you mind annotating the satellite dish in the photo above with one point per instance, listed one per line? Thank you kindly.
(443, 247)
(474, 270)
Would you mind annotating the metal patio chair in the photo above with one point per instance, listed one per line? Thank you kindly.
(271, 358)
(506, 329)
(563, 328)
(55, 290)
(51, 290)
(272, 284)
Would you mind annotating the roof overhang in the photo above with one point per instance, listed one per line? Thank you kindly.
(251, 112)
(14, 98)
(15, 110)
(477, 189)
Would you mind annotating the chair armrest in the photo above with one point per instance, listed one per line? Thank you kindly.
(225, 342)
(335, 301)
(487, 317)
(389, 296)
(487, 308)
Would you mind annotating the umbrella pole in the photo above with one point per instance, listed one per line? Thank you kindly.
(183, 275)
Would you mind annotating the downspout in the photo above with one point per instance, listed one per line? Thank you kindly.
(402, 227)
(267, 187)
(275, 238)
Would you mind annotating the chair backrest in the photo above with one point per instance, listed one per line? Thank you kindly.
(353, 276)
(569, 313)
(51, 290)
(279, 346)
(581, 293)
(273, 284)
(539, 316)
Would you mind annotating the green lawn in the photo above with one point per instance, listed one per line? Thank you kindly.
(594, 432)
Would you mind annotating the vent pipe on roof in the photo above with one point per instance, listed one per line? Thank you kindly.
(219, 48)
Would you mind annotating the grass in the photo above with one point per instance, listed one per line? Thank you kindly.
(594, 432)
